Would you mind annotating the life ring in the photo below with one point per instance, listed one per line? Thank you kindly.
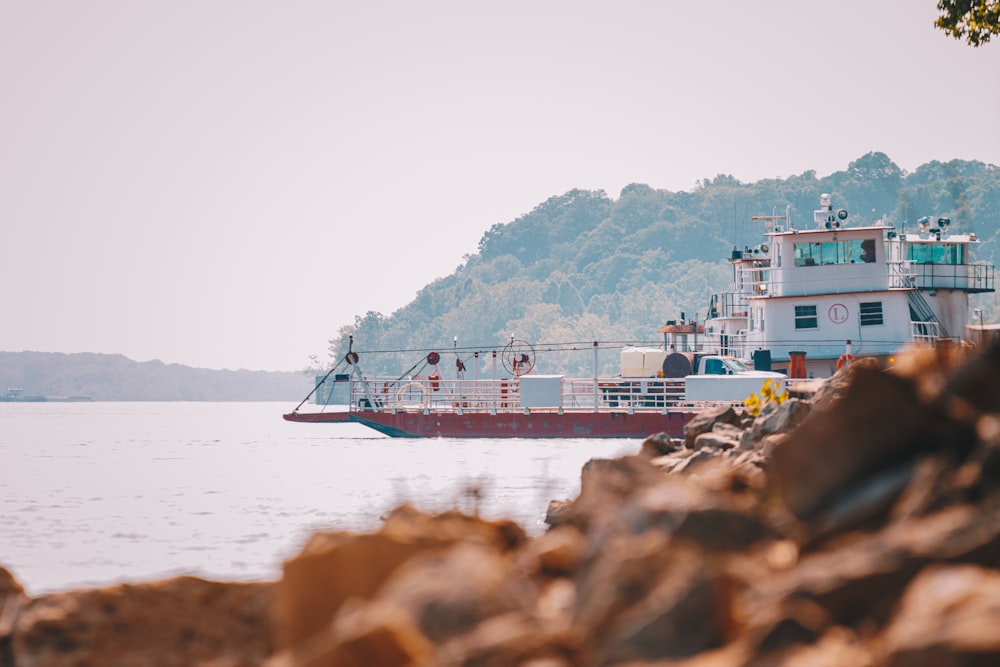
(846, 359)
(424, 402)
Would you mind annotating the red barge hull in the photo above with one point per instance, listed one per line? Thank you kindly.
(567, 424)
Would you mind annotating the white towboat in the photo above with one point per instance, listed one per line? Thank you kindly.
(809, 300)
(803, 303)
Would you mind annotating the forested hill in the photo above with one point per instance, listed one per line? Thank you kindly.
(113, 377)
(583, 267)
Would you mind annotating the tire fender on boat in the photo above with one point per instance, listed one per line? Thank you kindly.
(424, 398)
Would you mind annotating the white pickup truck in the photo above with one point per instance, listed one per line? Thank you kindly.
(707, 377)
(720, 378)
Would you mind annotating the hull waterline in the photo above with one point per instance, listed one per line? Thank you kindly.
(579, 424)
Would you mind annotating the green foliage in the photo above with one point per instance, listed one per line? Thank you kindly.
(582, 267)
(975, 21)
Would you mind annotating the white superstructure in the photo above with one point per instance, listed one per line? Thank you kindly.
(837, 288)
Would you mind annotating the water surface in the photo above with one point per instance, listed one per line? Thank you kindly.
(99, 493)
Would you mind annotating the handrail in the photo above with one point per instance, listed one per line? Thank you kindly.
(425, 394)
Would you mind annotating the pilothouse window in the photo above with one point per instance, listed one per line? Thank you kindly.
(937, 253)
(855, 251)
(808, 254)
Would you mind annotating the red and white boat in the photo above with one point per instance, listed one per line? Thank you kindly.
(638, 403)
(805, 302)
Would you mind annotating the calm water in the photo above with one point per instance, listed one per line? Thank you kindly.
(98, 493)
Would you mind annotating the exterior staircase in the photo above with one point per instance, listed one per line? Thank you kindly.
(921, 311)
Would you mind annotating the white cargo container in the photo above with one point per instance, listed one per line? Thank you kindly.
(541, 391)
(642, 362)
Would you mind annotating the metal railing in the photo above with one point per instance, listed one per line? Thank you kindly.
(461, 396)
(966, 277)
(925, 332)
(901, 274)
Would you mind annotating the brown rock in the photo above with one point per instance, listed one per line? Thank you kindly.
(977, 381)
(558, 512)
(332, 568)
(623, 569)
(705, 420)
(685, 510)
(859, 579)
(722, 436)
(9, 586)
(877, 426)
(556, 601)
(448, 593)
(837, 647)
(510, 639)
(12, 599)
(558, 552)
(947, 616)
(657, 445)
(364, 634)
(829, 391)
(409, 523)
(782, 419)
(693, 459)
(662, 624)
(177, 622)
(604, 483)
(769, 442)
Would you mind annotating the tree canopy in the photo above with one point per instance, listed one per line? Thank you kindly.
(581, 266)
(975, 21)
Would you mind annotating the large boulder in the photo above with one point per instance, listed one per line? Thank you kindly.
(173, 623)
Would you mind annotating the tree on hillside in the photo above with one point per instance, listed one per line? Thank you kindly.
(973, 20)
(557, 220)
(581, 266)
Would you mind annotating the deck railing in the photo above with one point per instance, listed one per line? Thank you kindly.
(965, 277)
(901, 274)
(925, 332)
(627, 394)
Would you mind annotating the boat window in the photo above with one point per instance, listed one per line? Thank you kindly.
(834, 252)
(807, 254)
(937, 253)
(861, 251)
(871, 313)
(805, 317)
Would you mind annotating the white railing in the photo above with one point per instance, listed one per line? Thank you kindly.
(627, 394)
(925, 332)
(901, 274)
(728, 304)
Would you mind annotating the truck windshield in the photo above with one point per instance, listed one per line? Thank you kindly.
(737, 366)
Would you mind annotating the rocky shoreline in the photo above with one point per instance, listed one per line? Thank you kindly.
(856, 524)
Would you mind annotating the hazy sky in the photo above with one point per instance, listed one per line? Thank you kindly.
(224, 184)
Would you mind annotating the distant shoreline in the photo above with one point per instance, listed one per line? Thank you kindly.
(36, 377)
